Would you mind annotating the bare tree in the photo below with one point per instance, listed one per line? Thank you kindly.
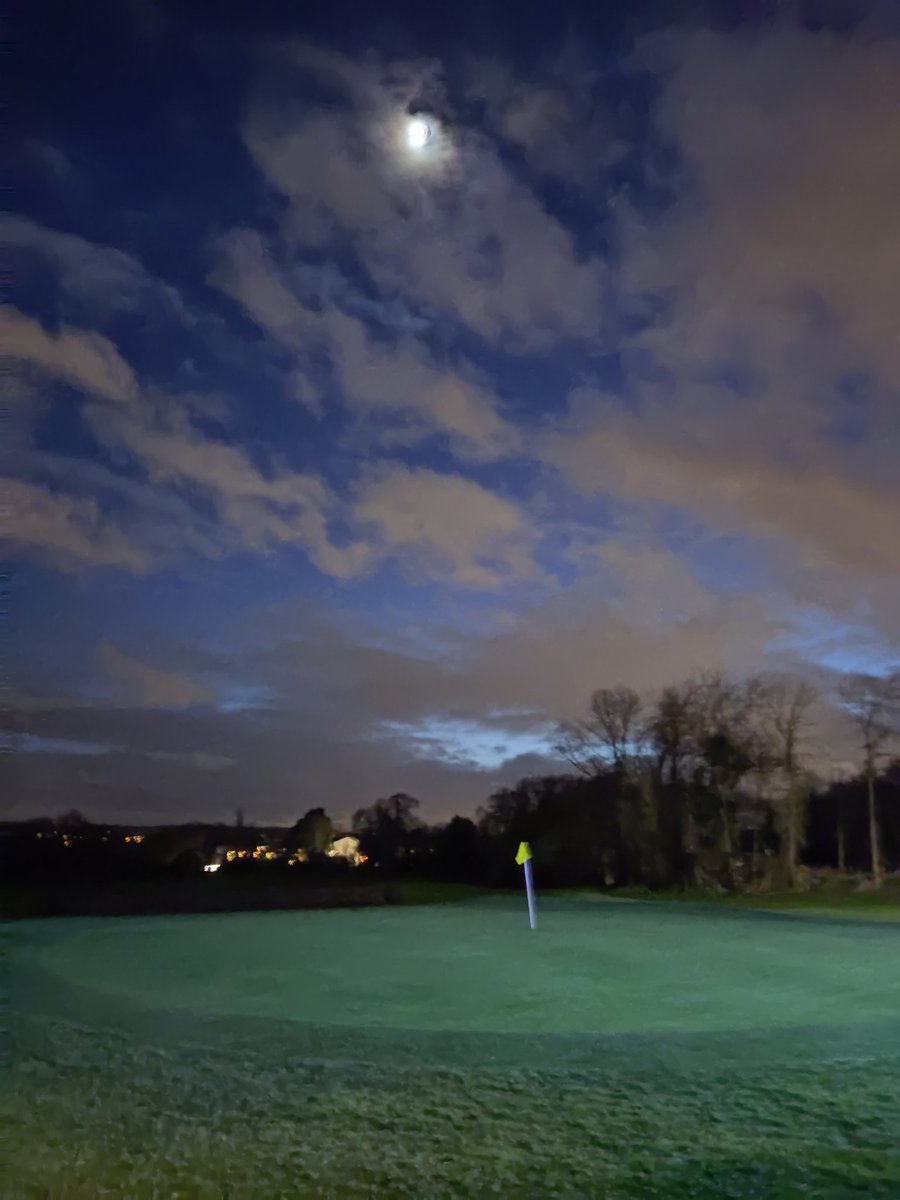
(785, 709)
(577, 743)
(726, 746)
(609, 736)
(668, 730)
(668, 735)
(873, 701)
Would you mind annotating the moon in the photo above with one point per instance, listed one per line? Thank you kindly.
(418, 133)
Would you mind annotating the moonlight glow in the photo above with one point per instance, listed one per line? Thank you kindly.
(418, 133)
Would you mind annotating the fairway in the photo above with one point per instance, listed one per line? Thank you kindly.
(622, 1049)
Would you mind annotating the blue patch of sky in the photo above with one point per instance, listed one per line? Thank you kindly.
(29, 743)
(467, 742)
(534, 388)
(836, 644)
(737, 378)
(53, 626)
(855, 393)
(726, 564)
(243, 697)
(66, 617)
(61, 428)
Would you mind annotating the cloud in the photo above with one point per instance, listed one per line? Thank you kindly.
(267, 505)
(554, 115)
(146, 686)
(766, 290)
(35, 744)
(392, 377)
(830, 518)
(68, 532)
(788, 141)
(448, 526)
(203, 762)
(158, 525)
(470, 241)
(400, 379)
(281, 506)
(50, 158)
(84, 360)
(265, 508)
(98, 278)
(760, 352)
(245, 270)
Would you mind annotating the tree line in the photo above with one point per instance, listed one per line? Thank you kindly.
(710, 783)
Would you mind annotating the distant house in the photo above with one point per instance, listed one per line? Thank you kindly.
(347, 847)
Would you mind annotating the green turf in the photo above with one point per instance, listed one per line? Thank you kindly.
(623, 1050)
(839, 897)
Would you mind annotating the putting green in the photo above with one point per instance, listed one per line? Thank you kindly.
(476, 967)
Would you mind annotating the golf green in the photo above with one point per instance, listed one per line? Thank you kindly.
(613, 968)
(621, 1051)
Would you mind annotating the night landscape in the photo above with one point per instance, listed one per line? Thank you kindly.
(451, 726)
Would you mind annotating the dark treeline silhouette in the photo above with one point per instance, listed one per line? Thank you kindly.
(710, 784)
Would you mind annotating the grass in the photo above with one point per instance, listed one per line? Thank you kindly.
(424, 891)
(837, 897)
(621, 1051)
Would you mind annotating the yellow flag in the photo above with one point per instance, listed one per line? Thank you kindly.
(523, 854)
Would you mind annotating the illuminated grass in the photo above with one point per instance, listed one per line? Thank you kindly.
(839, 898)
(622, 1052)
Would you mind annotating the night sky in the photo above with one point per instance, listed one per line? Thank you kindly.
(340, 467)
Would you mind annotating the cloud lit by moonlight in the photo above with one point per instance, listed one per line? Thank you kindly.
(421, 143)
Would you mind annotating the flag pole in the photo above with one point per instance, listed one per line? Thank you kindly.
(523, 858)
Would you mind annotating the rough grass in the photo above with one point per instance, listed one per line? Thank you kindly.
(621, 1051)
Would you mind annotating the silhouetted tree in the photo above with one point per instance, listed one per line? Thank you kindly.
(313, 832)
(608, 736)
(388, 829)
(456, 850)
(874, 704)
(786, 705)
(72, 820)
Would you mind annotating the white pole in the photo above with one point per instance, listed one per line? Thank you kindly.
(523, 858)
(529, 892)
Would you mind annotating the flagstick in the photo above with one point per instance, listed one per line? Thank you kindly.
(529, 892)
(523, 858)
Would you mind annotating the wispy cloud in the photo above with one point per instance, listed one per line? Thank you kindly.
(147, 686)
(99, 279)
(84, 359)
(448, 527)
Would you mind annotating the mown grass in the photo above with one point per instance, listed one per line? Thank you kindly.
(623, 1054)
(832, 897)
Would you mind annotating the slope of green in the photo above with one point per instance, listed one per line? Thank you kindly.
(621, 1051)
